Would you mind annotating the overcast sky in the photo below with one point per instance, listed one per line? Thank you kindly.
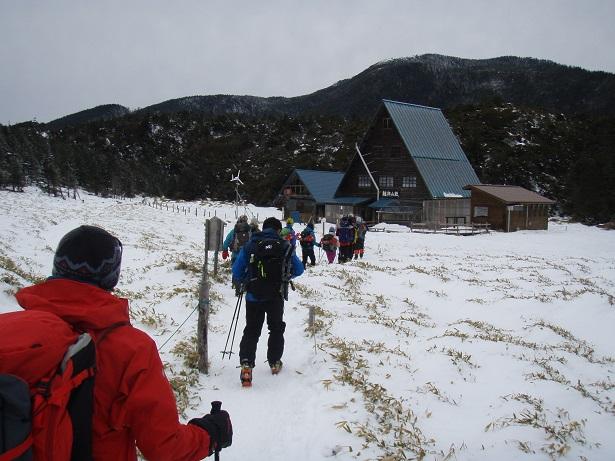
(59, 57)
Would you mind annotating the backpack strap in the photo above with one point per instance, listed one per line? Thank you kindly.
(67, 386)
(16, 452)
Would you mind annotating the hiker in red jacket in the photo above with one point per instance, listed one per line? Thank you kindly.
(134, 406)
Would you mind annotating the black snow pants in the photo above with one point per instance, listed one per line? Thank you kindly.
(255, 316)
(308, 253)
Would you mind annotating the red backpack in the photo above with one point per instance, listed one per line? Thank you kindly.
(46, 388)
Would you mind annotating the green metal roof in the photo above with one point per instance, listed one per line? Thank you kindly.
(321, 184)
(446, 178)
(432, 144)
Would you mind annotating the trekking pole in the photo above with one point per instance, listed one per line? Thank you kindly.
(234, 320)
(216, 406)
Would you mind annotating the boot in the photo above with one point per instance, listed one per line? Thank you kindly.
(245, 374)
(275, 367)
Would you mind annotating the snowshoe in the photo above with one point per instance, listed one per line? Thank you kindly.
(275, 367)
(246, 375)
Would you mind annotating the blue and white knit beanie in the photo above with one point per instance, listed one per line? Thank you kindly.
(89, 254)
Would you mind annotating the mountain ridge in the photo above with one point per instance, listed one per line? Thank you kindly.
(94, 114)
(429, 79)
(181, 151)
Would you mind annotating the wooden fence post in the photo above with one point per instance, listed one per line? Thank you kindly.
(203, 321)
(218, 232)
(213, 236)
(311, 318)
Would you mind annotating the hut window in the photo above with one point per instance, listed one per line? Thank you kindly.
(481, 211)
(385, 181)
(386, 122)
(295, 189)
(408, 181)
(364, 181)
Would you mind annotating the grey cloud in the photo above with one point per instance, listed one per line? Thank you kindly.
(64, 56)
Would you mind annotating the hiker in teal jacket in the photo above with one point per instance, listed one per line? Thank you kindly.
(236, 238)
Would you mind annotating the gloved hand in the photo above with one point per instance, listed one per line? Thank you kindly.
(225, 254)
(219, 428)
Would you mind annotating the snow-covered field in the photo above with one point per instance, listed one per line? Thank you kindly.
(490, 347)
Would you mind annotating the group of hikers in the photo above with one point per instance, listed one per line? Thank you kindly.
(350, 235)
(347, 239)
(78, 379)
(263, 264)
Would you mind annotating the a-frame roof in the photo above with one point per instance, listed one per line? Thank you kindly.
(434, 148)
(321, 184)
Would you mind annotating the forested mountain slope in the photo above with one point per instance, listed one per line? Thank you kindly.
(521, 121)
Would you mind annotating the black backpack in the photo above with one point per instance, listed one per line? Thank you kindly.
(242, 235)
(269, 268)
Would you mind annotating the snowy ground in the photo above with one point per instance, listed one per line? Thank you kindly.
(495, 346)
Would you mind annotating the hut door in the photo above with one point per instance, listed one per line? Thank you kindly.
(517, 217)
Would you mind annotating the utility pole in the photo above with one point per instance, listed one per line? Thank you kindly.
(237, 182)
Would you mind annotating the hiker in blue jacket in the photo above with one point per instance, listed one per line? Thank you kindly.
(307, 239)
(265, 266)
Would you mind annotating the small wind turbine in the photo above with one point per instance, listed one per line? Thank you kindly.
(238, 182)
(236, 179)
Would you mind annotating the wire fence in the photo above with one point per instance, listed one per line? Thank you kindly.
(195, 210)
(179, 208)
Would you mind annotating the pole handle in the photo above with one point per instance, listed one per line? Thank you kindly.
(216, 406)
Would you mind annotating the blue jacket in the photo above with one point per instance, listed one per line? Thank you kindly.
(308, 245)
(241, 267)
(229, 240)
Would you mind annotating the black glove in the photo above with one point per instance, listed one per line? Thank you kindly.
(219, 428)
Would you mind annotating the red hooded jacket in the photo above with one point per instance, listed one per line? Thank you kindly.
(134, 405)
